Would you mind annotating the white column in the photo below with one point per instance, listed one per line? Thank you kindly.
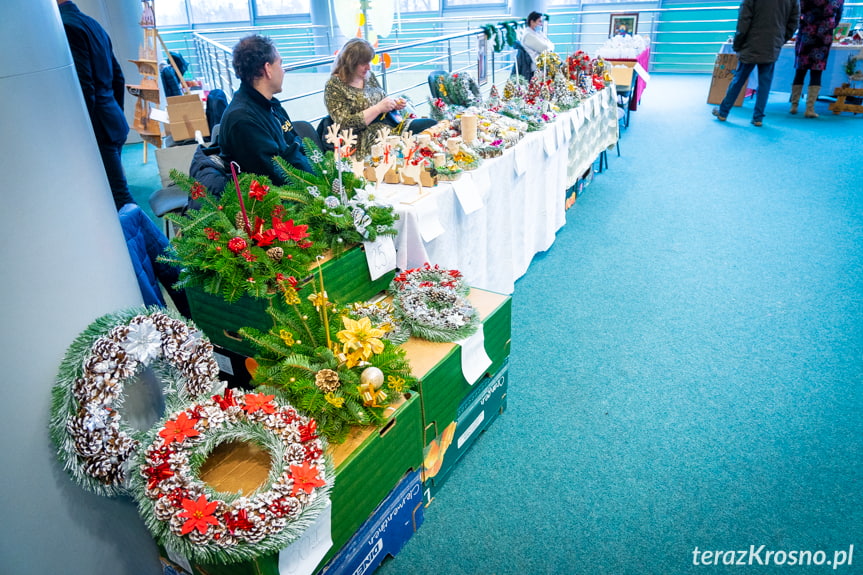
(65, 263)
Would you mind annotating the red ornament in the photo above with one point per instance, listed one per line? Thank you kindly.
(237, 244)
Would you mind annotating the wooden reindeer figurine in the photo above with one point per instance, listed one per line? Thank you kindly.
(411, 168)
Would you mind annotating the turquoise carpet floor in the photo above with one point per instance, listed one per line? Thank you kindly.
(687, 362)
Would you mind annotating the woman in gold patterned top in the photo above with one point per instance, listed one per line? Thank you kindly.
(355, 100)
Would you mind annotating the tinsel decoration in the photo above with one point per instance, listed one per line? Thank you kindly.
(191, 518)
(432, 302)
(93, 442)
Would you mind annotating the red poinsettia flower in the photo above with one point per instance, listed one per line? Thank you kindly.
(308, 431)
(198, 191)
(179, 429)
(198, 515)
(305, 478)
(286, 231)
(292, 281)
(240, 521)
(256, 401)
(157, 474)
(225, 400)
(261, 236)
(258, 190)
(237, 244)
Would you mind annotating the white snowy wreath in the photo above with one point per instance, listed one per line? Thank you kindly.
(93, 442)
(190, 517)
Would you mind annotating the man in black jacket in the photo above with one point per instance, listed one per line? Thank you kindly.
(255, 128)
(104, 90)
(763, 26)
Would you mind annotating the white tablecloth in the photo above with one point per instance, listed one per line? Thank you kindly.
(492, 221)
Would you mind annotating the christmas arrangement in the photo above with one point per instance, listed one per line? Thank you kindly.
(330, 365)
(432, 303)
(190, 517)
(92, 440)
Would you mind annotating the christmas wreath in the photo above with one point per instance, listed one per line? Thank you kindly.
(92, 440)
(433, 303)
(328, 364)
(190, 517)
(494, 31)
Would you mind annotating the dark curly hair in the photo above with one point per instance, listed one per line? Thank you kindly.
(250, 55)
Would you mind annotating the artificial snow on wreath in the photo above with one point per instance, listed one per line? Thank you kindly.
(190, 517)
(92, 440)
(433, 303)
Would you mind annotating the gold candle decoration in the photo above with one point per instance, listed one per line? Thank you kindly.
(468, 127)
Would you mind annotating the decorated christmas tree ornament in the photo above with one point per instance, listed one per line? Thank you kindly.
(372, 376)
(211, 525)
(93, 441)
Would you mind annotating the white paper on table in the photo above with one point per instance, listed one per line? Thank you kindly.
(303, 555)
(380, 256)
(577, 118)
(642, 73)
(521, 159)
(474, 359)
(427, 220)
(179, 560)
(467, 193)
(604, 102)
(481, 182)
(564, 130)
(549, 141)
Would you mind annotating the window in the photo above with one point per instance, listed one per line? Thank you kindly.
(474, 3)
(212, 11)
(282, 7)
(171, 13)
(419, 5)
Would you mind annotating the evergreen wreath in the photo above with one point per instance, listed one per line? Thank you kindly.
(338, 208)
(92, 440)
(511, 31)
(191, 518)
(494, 31)
(241, 243)
(340, 370)
(433, 303)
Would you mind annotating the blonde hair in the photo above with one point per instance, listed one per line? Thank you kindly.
(355, 52)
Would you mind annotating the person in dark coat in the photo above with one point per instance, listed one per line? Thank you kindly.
(255, 128)
(818, 21)
(104, 88)
(763, 26)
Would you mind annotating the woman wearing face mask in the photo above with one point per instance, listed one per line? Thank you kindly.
(355, 99)
(534, 40)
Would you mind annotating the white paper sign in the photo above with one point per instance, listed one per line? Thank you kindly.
(467, 193)
(474, 359)
(521, 159)
(427, 220)
(549, 141)
(380, 255)
(303, 555)
(642, 73)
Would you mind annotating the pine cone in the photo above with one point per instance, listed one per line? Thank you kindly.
(338, 188)
(275, 253)
(239, 222)
(327, 380)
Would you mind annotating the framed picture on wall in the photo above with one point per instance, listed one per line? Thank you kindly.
(623, 24)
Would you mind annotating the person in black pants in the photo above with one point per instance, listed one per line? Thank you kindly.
(255, 128)
(104, 88)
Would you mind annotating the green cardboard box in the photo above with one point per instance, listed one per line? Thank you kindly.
(475, 415)
(346, 280)
(438, 366)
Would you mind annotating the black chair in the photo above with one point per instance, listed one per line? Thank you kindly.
(323, 125)
(433, 82)
(306, 130)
